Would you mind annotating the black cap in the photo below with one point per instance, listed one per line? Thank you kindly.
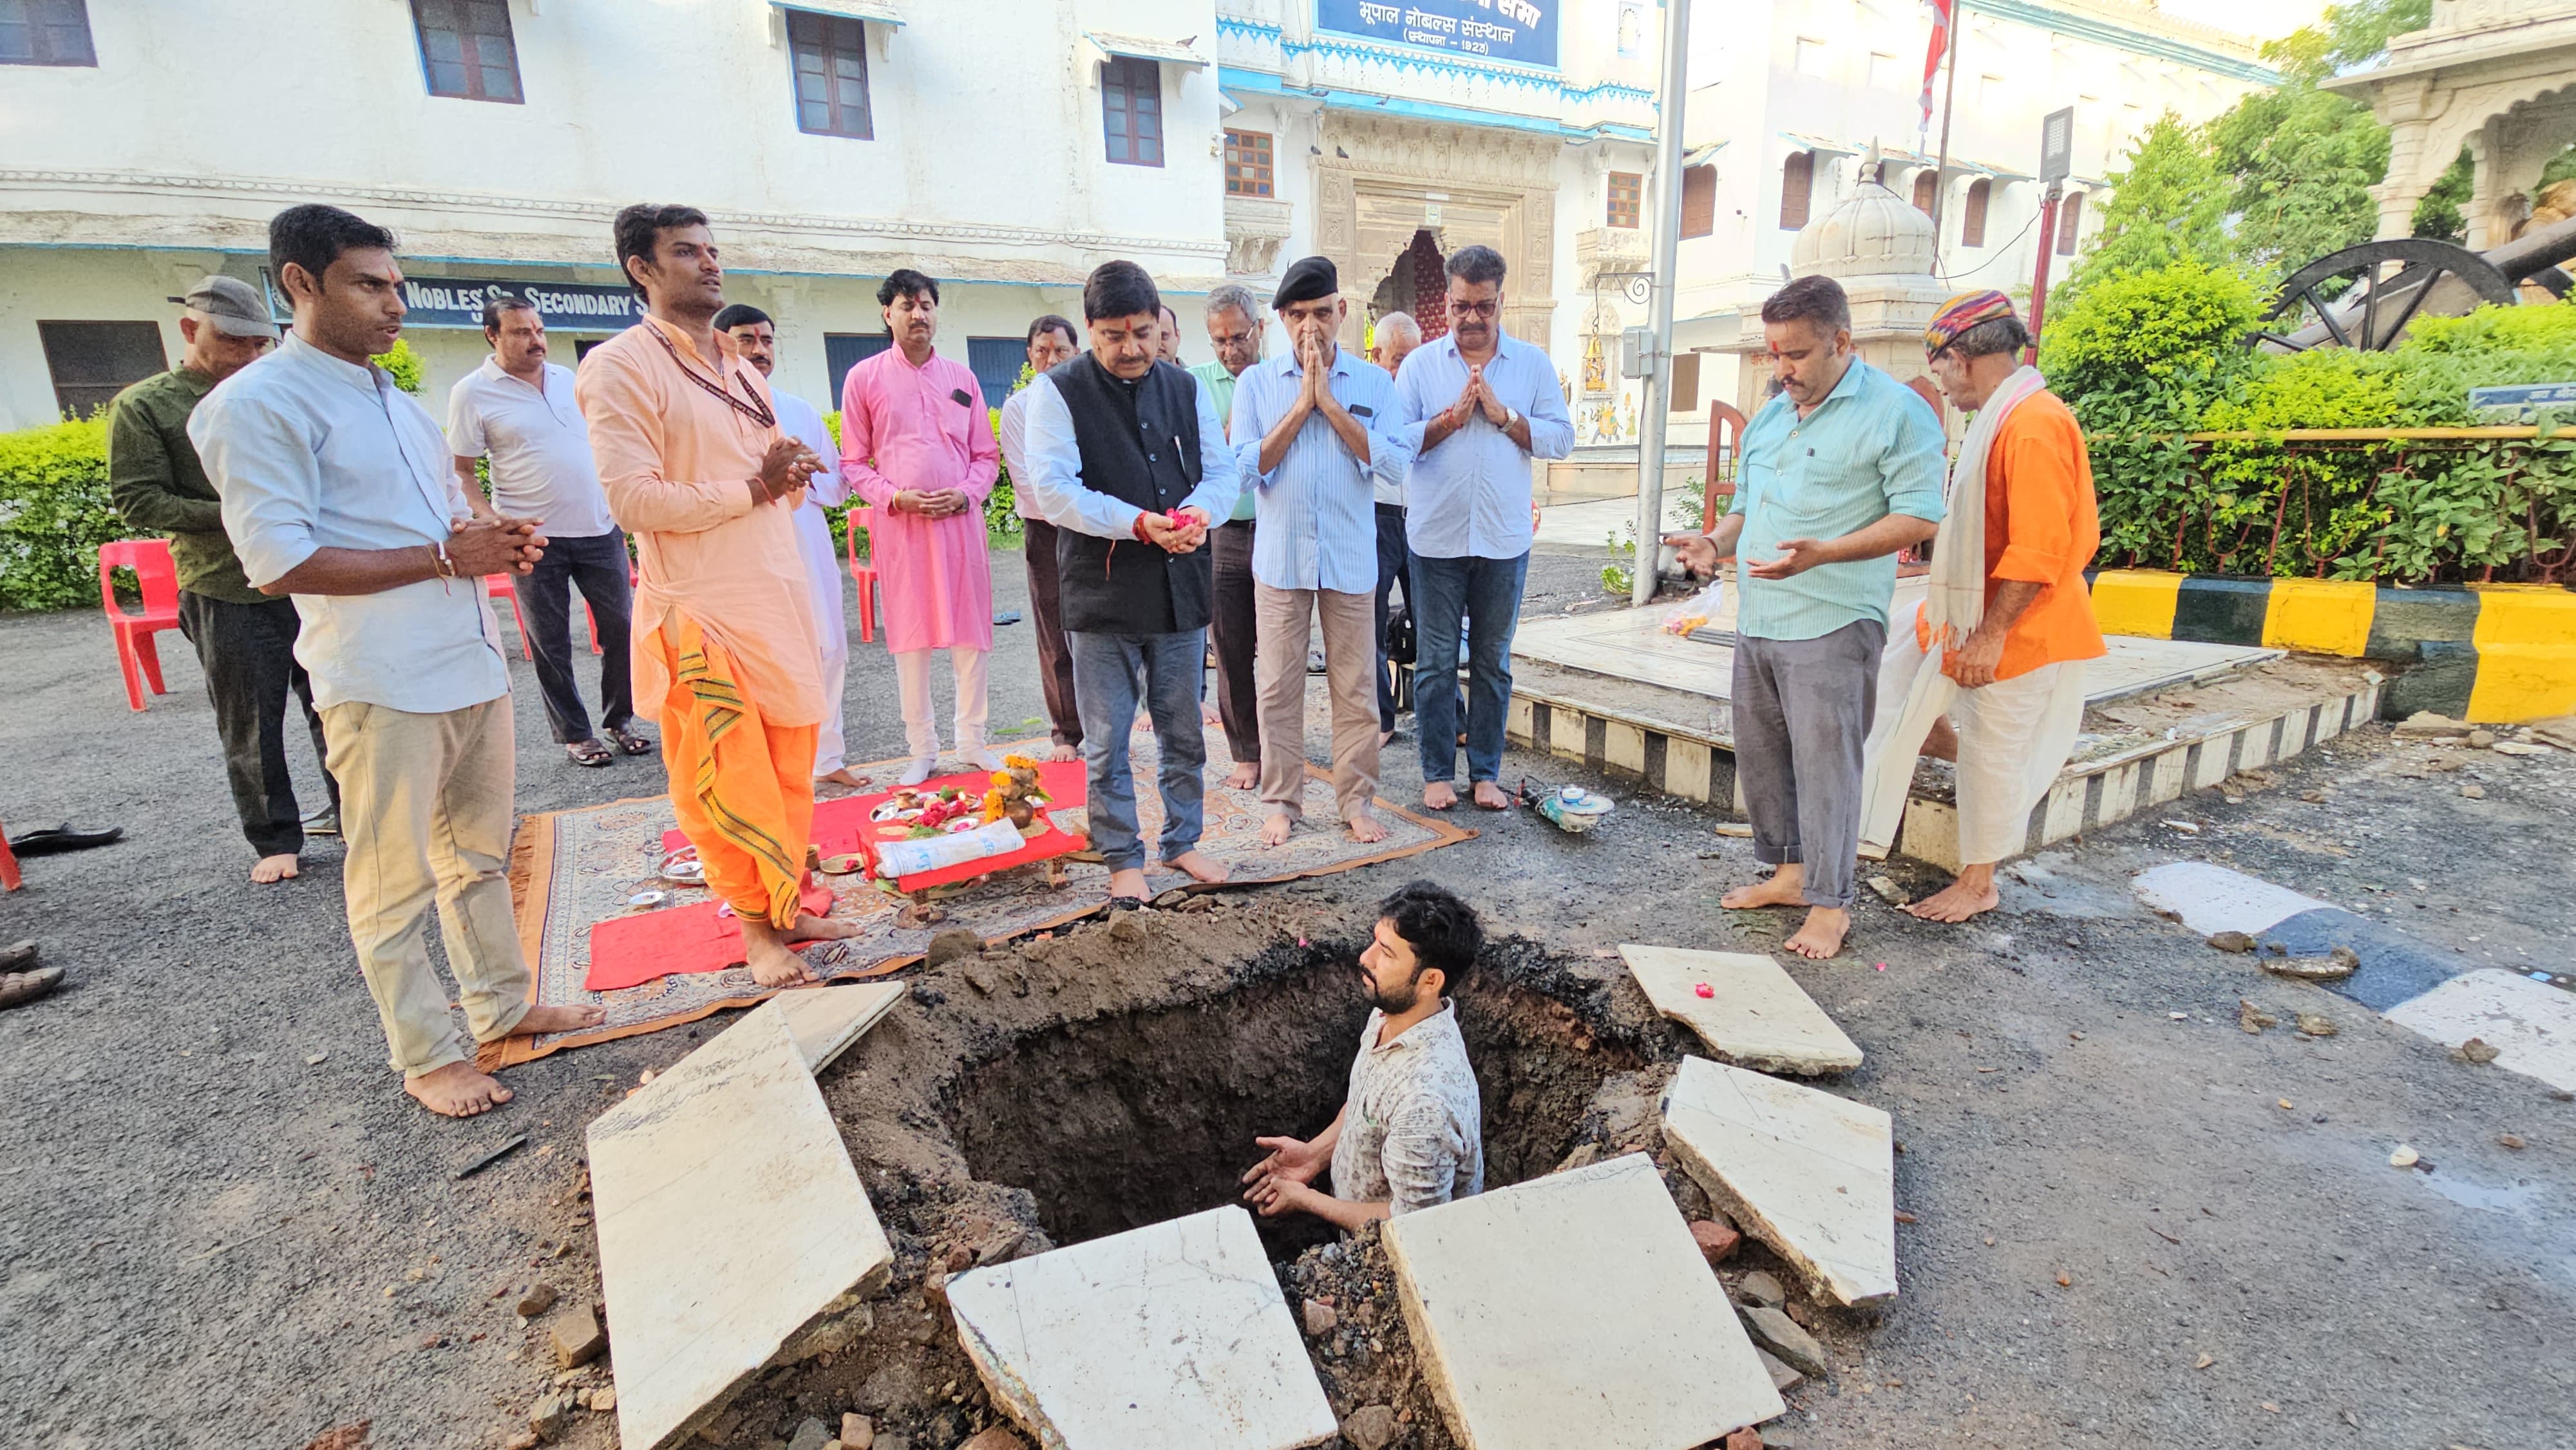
(1307, 278)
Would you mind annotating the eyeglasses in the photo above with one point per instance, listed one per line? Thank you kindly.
(1475, 309)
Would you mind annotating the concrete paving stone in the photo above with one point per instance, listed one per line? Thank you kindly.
(1574, 1310)
(1169, 1337)
(735, 1134)
(2211, 899)
(826, 1020)
(1757, 1016)
(2532, 1025)
(1810, 1174)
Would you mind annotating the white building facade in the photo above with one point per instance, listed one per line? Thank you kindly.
(1005, 147)
(1796, 105)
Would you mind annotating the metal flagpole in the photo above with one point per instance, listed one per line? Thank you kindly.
(1941, 169)
(1659, 333)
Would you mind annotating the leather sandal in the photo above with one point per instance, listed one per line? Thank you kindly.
(18, 957)
(589, 754)
(55, 840)
(630, 742)
(17, 988)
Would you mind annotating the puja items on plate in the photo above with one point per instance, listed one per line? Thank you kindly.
(1015, 795)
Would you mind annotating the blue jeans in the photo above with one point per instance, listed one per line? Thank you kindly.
(1111, 673)
(595, 565)
(1487, 592)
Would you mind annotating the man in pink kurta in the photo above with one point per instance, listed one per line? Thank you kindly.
(917, 444)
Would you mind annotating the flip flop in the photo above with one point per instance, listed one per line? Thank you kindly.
(630, 742)
(58, 839)
(17, 988)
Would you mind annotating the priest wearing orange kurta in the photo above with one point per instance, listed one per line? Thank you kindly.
(696, 468)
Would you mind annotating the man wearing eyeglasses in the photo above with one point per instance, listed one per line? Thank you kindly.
(1478, 407)
(698, 470)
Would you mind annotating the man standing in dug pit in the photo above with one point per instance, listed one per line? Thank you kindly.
(1411, 1134)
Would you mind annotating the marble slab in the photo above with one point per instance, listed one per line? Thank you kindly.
(1756, 1015)
(826, 1020)
(1574, 1310)
(1810, 1174)
(730, 1218)
(1169, 1337)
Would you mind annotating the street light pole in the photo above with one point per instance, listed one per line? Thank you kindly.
(1659, 328)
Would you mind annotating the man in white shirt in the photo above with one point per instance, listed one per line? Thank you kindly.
(518, 411)
(337, 490)
(1051, 341)
(755, 339)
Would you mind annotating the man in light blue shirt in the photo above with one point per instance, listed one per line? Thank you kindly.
(1315, 434)
(337, 490)
(1840, 471)
(1478, 407)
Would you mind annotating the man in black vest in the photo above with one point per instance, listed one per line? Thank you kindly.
(1128, 459)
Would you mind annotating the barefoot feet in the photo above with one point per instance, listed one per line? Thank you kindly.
(1438, 795)
(1245, 777)
(458, 1090)
(1786, 887)
(843, 776)
(543, 1020)
(1129, 885)
(1201, 869)
(1489, 796)
(1972, 894)
(268, 869)
(766, 953)
(1822, 934)
(1063, 753)
(1275, 828)
(1365, 828)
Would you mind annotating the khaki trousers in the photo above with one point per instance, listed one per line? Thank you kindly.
(1285, 619)
(425, 813)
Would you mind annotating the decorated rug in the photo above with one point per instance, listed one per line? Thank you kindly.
(570, 870)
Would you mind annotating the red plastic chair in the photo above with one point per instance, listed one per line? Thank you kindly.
(865, 576)
(10, 880)
(136, 653)
(499, 586)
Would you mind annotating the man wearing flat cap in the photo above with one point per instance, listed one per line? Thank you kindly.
(1990, 672)
(245, 640)
(1315, 432)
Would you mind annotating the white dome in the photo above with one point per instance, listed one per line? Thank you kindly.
(1871, 234)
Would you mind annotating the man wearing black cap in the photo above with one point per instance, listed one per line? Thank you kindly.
(1314, 433)
(1129, 462)
(245, 640)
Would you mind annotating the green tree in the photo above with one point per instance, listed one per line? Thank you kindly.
(2303, 162)
(2439, 215)
(2359, 31)
(2168, 204)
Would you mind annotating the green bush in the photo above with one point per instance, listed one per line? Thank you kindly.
(2148, 358)
(54, 513)
(1001, 518)
(402, 364)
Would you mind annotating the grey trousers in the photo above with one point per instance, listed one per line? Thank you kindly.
(1802, 713)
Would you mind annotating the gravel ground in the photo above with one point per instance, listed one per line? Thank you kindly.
(280, 1247)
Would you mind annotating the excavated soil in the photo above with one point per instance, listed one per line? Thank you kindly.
(1061, 1089)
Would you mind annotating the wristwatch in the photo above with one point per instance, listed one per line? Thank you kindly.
(1511, 416)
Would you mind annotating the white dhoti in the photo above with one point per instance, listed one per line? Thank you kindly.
(2014, 737)
(831, 629)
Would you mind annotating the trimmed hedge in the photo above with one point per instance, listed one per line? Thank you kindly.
(54, 513)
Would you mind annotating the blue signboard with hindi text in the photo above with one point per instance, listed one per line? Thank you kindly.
(2524, 400)
(1521, 31)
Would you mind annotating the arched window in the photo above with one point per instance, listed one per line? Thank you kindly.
(1926, 183)
(2070, 215)
(1797, 189)
(1972, 219)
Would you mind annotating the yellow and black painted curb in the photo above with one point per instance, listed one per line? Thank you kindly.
(2489, 652)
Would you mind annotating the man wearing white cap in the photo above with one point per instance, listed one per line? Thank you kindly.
(245, 640)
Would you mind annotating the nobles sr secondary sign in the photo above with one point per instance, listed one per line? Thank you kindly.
(458, 302)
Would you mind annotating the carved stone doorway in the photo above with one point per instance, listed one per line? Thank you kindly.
(1414, 285)
(1384, 184)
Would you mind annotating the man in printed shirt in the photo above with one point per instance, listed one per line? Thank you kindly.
(337, 491)
(1234, 325)
(755, 341)
(917, 444)
(1315, 433)
(245, 641)
(698, 471)
(1839, 473)
(1410, 1135)
(1478, 405)
(1051, 341)
(2007, 623)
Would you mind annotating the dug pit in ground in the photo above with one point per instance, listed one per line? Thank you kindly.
(1059, 1090)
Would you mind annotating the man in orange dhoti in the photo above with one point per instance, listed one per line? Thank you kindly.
(726, 658)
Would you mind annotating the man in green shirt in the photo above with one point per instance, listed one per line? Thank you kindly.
(245, 640)
(1234, 323)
